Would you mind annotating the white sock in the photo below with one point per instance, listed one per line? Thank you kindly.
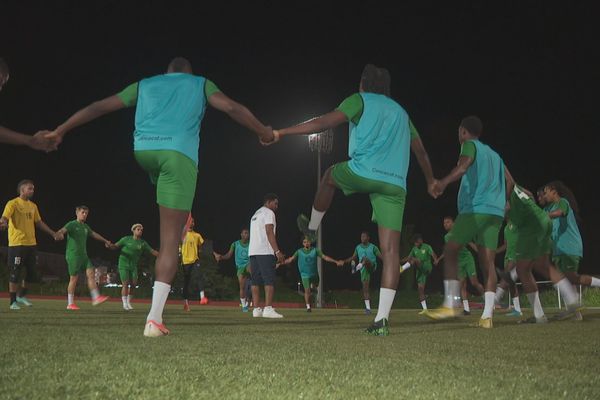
(243, 302)
(94, 293)
(595, 282)
(466, 306)
(359, 266)
(513, 275)
(124, 298)
(405, 266)
(368, 304)
(488, 309)
(201, 294)
(517, 303)
(315, 219)
(308, 306)
(70, 299)
(452, 292)
(129, 298)
(534, 300)
(159, 298)
(186, 302)
(386, 298)
(424, 305)
(499, 294)
(567, 292)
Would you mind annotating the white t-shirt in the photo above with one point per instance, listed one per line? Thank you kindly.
(259, 244)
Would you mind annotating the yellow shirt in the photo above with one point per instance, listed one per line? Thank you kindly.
(189, 248)
(22, 216)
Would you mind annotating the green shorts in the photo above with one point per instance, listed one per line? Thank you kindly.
(483, 229)
(466, 268)
(387, 200)
(566, 263)
(422, 273)
(243, 271)
(533, 240)
(174, 175)
(365, 273)
(306, 281)
(78, 264)
(128, 274)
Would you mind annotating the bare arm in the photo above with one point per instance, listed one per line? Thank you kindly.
(318, 124)
(419, 151)
(473, 246)
(457, 172)
(87, 114)
(273, 242)
(352, 257)
(36, 142)
(556, 214)
(99, 238)
(225, 256)
(240, 114)
(289, 260)
(501, 248)
(510, 183)
(154, 252)
(41, 225)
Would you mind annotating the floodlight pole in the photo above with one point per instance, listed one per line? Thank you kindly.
(319, 239)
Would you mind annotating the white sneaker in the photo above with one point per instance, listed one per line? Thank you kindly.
(129, 306)
(359, 266)
(257, 312)
(125, 307)
(269, 312)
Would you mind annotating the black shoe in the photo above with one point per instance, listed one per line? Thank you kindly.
(465, 312)
(309, 310)
(379, 328)
(302, 221)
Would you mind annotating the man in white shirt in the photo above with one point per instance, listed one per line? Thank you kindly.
(264, 254)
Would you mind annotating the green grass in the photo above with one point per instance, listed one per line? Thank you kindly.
(100, 353)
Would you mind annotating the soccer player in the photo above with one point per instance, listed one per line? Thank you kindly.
(239, 248)
(132, 247)
(568, 247)
(481, 202)
(307, 267)
(364, 259)
(509, 276)
(466, 268)
(420, 257)
(22, 216)
(190, 262)
(532, 251)
(39, 141)
(381, 137)
(169, 111)
(77, 232)
(264, 254)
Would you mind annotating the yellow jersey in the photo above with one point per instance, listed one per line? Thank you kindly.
(189, 248)
(22, 216)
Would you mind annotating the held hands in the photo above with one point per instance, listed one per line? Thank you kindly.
(436, 188)
(340, 263)
(41, 141)
(280, 257)
(109, 245)
(217, 256)
(58, 236)
(274, 138)
(3, 224)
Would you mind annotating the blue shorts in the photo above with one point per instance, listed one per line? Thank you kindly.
(263, 270)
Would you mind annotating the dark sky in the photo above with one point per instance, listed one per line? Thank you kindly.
(529, 70)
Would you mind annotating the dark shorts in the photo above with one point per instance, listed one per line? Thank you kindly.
(21, 258)
(263, 270)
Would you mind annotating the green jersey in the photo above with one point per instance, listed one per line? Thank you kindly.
(307, 261)
(131, 251)
(77, 234)
(241, 253)
(423, 254)
(464, 255)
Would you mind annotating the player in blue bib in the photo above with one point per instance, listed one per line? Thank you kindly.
(307, 267)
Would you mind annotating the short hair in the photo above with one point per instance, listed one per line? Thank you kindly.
(270, 197)
(417, 236)
(306, 238)
(23, 183)
(135, 226)
(82, 207)
(245, 228)
(4, 67)
(366, 233)
(449, 217)
(180, 64)
(473, 125)
(376, 80)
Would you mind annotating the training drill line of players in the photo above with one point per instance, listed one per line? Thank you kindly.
(169, 111)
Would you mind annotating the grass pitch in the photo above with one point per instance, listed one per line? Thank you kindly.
(216, 352)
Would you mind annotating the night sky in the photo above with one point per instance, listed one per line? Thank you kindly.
(528, 70)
